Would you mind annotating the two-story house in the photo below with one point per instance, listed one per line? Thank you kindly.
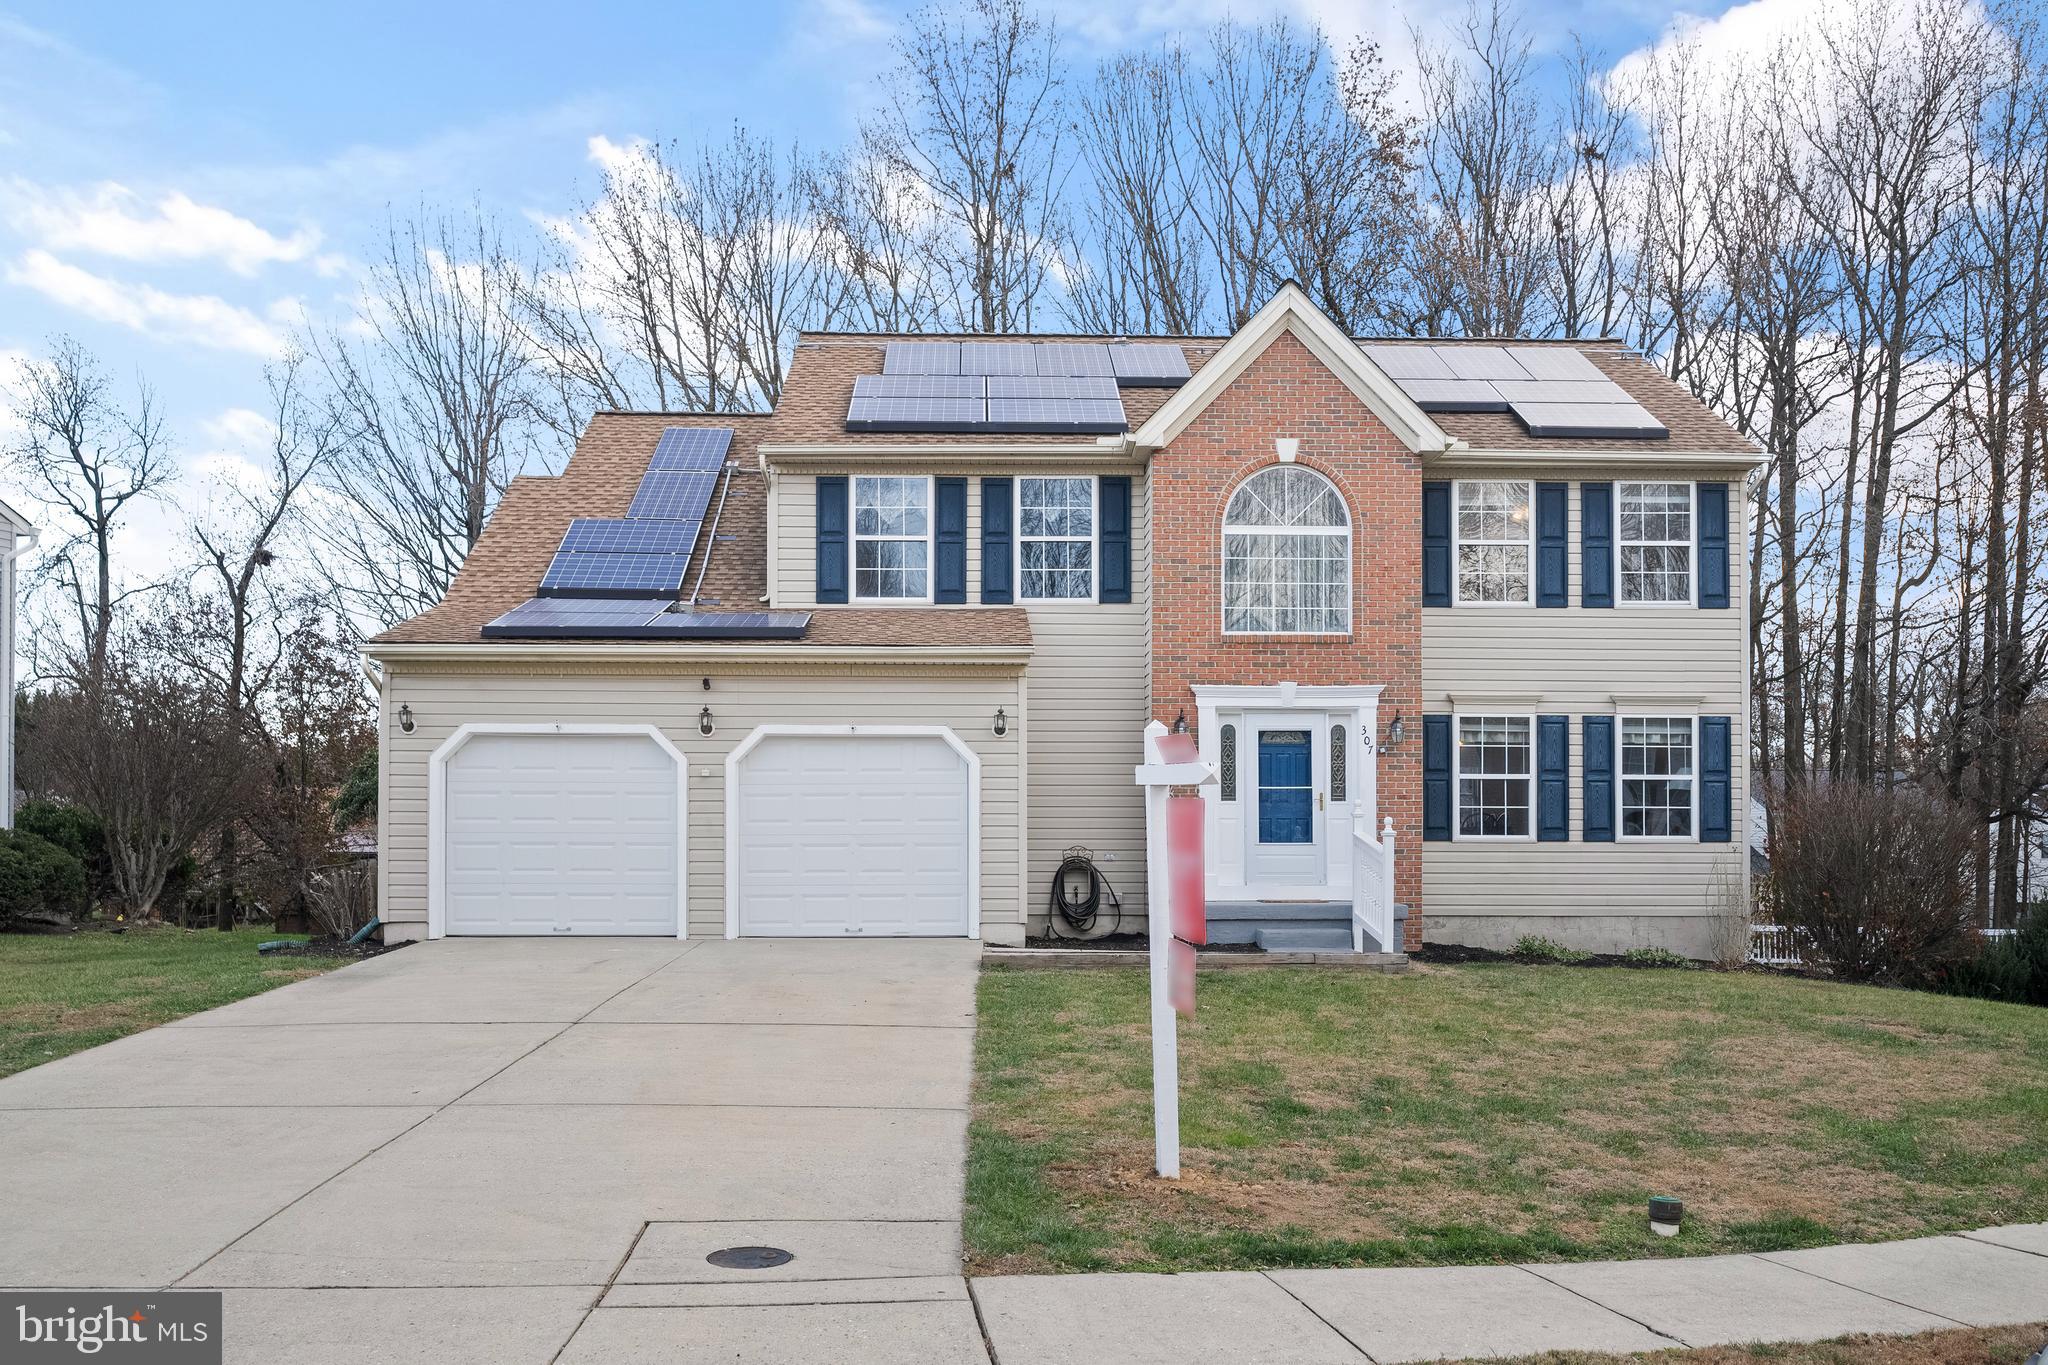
(877, 662)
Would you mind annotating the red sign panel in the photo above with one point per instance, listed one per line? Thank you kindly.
(1180, 977)
(1184, 891)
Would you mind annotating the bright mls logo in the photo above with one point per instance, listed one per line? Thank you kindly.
(166, 1329)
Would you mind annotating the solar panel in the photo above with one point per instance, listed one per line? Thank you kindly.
(640, 618)
(1064, 359)
(1596, 420)
(1480, 362)
(919, 386)
(611, 574)
(691, 448)
(921, 357)
(1562, 391)
(1045, 386)
(916, 414)
(998, 357)
(1409, 362)
(1055, 415)
(1454, 395)
(1149, 365)
(679, 495)
(1555, 364)
(589, 535)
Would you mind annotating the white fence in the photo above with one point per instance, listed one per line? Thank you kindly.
(1779, 945)
(1372, 886)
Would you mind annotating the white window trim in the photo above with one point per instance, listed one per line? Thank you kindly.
(1458, 719)
(1621, 721)
(1692, 571)
(1224, 530)
(1458, 544)
(1017, 539)
(854, 538)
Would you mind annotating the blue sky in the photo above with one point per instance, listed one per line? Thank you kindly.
(180, 184)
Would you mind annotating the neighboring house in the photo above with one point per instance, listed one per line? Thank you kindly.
(21, 537)
(1492, 593)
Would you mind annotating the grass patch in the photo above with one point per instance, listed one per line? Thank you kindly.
(61, 994)
(1492, 1113)
(1956, 1346)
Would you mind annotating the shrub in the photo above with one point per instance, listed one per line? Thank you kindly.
(1654, 957)
(78, 832)
(1877, 877)
(39, 882)
(341, 900)
(2013, 968)
(1536, 948)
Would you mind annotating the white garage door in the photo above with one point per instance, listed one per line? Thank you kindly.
(561, 834)
(852, 834)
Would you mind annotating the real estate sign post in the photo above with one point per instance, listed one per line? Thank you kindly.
(1173, 915)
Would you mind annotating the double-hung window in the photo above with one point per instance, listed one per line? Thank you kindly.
(1496, 532)
(1056, 538)
(892, 549)
(1657, 787)
(1653, 524)
(1495, 761)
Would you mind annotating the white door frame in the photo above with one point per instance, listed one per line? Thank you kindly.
(1315, 855)
(1356, 707)
(437, 809)
(761, 732)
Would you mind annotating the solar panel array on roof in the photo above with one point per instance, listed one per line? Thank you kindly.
(1005, 386)
(647, 552)
(639, 618)
(673, 494)
(607, 575)
(595, 535)
(1554, 390)
(691, 448)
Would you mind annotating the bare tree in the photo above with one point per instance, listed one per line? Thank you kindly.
(876, 239)
(973, 120)
(88, 459)
(436, 405)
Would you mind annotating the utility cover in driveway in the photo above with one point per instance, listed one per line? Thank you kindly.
(853, 834)
(559, 834)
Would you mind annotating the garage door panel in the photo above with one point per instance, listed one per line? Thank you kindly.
(561, 834)
(844, 835)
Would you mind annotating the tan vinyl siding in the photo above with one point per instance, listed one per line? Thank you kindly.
(1576, 662)
(1088, 684)
(668, 695)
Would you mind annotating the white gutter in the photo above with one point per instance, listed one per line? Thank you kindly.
(373, 673)
(1636, 456)
(1109, 447)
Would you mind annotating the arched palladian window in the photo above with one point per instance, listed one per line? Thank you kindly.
(1286, 555)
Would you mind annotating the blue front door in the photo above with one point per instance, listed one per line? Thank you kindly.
(1286, 788)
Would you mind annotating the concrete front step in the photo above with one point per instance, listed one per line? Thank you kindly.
(1294, 939)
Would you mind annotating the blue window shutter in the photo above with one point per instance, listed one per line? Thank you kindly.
(1553, 519)
(1717, 785)
(1553, 778)
(1596, 544)
(1116, 539)
(1713, 538)
(949, 522)
(1436, 777)
(1436, 545)
(996, 515)
(832, 538)
(1598, 778)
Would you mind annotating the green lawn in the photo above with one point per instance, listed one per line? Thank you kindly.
(60, 994)
(1493, 1113)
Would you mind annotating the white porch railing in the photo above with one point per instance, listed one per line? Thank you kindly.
(1780, 945)
(1372, 886)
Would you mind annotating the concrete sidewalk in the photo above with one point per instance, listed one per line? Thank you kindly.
(1308, 1317)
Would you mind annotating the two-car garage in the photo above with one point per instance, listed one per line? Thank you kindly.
(840, 831)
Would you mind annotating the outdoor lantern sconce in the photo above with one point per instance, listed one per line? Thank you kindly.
(1180, 722)
(1002, 722)
(1394, 730)
(405, 717)
(704, 721)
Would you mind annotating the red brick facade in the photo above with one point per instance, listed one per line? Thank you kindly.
(1287, 392)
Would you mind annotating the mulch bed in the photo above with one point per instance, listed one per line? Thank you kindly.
(1452, 954)
(334, 947)
(1127, 943)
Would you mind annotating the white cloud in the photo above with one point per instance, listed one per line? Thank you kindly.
(113, 220)
(238, 427)
(202, 319)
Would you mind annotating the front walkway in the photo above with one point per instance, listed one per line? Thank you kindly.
(519, 1151)
(1309, 1317)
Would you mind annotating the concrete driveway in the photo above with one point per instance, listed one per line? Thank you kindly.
(517, 1150)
